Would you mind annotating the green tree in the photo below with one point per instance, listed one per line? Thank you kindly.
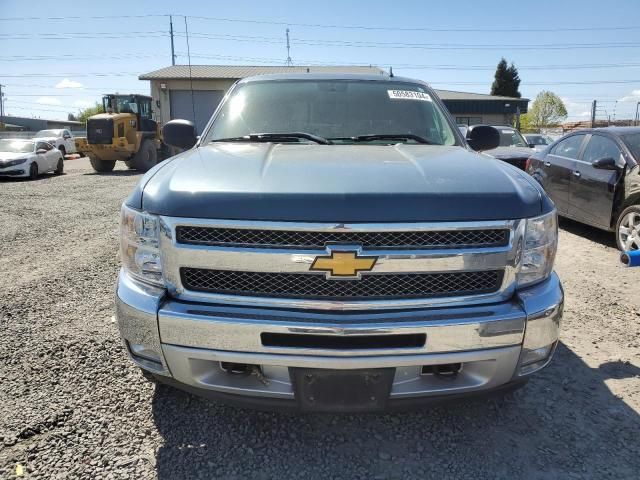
(88, 112)
(547, 110)
(525, 123)
(506, 80)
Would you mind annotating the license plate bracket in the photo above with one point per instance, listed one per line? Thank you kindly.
(342, 390)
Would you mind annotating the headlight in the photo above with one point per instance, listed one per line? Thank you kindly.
(539, 249)
(13, 163)
(139, 233)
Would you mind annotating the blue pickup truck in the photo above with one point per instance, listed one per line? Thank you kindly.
(334, 243)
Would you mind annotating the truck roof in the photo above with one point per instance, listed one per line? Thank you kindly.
(328, 76)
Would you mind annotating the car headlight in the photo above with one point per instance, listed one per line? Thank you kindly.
(539, 248)
(139, 246)
(13, 163)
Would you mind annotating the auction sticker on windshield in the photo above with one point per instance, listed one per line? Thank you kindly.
(408, 95)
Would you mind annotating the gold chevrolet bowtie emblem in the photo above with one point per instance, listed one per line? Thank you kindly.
(343, 264)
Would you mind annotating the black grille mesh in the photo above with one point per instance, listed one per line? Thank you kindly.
(315, 286)
(100, 131)
(318, 240)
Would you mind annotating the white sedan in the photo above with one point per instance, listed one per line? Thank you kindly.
(29, 158)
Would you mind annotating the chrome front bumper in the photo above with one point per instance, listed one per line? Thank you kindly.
(186, 342)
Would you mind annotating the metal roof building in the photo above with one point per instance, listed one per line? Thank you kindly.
(171, 92)
(35, 124)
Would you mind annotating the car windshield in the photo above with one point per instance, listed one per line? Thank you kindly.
(341, 111)
(16, 146)
(632, 141)
(510, 137)
(49, 133)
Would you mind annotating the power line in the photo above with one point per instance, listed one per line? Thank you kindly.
(39, 109)
(16, 19)
(111, 32)
(487, 29)
(72, 57)
(584, 82)
(416, 66)
(72, 74)
(71, 36)
(406, 45)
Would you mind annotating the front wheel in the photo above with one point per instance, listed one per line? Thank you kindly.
(63, 151)
(102, 166)
(628, 229)
(146, 158)
(60, 167)
(33, 171)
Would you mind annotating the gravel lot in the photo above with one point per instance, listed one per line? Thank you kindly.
(73, 406)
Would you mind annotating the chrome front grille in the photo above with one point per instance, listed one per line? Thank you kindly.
(314, 286)
(269, 264)
(303, 239)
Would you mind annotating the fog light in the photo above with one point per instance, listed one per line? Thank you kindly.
(143, 352)
(532, 360)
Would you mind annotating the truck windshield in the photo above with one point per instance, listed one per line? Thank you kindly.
(341, 111)
(49, 133)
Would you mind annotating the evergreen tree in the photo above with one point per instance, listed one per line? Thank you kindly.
(506, 80)
(514, 79)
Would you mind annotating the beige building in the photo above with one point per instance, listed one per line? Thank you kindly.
(171, 92)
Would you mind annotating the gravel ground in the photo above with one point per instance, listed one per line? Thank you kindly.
(73, 406)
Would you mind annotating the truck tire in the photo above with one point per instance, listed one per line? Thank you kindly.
(628, 229)
(129, 164)
(102, 166)
(146, 158)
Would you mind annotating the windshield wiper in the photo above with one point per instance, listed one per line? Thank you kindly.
(268, 137)
(388, 136)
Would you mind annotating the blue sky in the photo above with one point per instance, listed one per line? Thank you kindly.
(51, 67)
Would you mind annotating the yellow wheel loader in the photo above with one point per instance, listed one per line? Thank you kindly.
(125, 131)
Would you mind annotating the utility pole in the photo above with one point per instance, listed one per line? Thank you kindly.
(289, 61)
(173, 53)
(1, 102)
(637, 118)
(593, 114)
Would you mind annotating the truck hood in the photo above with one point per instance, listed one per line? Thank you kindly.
(338, 183)
(46, 139)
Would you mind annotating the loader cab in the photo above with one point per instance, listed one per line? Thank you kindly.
(138, 105)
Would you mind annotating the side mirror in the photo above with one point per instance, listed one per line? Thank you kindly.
(606, 163)
(179, 133)
(41, 151)
(532, 145)
(483, 137)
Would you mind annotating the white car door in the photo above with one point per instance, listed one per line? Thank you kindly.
(53, 156)
(41, 158)
(69, 142)
(45, 159)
